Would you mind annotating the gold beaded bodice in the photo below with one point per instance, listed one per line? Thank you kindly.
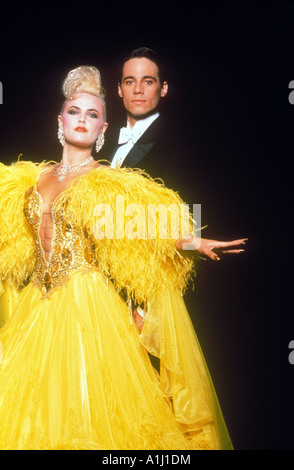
(72, 249)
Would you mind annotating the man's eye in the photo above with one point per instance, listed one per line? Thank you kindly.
(129, 82)
(148, 82)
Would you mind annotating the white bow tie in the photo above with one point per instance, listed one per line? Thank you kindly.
(127, 134)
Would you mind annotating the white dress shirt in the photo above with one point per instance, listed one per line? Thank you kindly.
(128, 137)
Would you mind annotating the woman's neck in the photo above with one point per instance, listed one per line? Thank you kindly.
(72, 155)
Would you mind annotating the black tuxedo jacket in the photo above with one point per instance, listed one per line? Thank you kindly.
(162, 153)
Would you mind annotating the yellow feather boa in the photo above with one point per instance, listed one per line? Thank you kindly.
(142, 267)
(17, 252)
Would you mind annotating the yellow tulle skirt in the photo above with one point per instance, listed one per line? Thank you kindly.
(76, 374)
(8, 302)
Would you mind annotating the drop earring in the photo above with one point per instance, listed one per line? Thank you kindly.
(60, 135)
(99, 142)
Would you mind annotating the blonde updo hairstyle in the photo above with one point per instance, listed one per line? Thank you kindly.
(84, 79)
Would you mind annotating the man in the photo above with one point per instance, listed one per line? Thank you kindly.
(147, 140)
(154, 142)
(150, 140)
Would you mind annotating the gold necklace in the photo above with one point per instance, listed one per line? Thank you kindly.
(62, 170)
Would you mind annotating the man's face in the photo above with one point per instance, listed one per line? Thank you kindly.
(140, 88)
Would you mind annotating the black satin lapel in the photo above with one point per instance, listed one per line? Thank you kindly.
(113, 153)
(136, 154)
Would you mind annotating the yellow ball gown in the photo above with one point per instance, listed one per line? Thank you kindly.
(75, 372)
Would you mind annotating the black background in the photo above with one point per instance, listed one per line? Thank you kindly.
(231, 64)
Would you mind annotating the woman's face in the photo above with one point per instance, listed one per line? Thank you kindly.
(82, 120)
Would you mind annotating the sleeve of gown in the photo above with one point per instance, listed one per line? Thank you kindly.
(16, 243)
(135, 224)
(168, 333)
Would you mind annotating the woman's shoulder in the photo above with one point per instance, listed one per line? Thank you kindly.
(19, 166)
(104, 184)
(20, 174)
(124, 176)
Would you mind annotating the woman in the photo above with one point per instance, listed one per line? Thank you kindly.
(76, 373)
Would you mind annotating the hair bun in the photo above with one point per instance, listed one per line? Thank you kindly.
(83, 79)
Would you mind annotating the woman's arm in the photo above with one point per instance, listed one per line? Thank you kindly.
(206, 247)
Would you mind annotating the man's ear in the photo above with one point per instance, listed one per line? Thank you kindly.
(119, 90)
(164, 89)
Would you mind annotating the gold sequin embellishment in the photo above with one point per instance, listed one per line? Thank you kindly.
(71, 250)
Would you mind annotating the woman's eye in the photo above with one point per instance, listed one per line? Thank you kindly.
(93, 115)
(72, 111)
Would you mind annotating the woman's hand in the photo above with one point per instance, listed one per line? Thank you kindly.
(210, 248)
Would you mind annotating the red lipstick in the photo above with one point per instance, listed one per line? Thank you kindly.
(81, 129)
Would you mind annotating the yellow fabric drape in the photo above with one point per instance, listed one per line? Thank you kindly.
(168, 334)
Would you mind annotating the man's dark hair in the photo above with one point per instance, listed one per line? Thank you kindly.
(145, 52)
